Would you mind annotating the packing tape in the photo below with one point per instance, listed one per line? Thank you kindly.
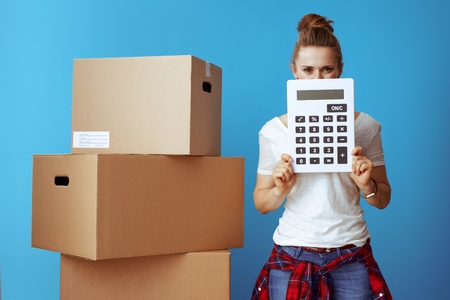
(208, 69)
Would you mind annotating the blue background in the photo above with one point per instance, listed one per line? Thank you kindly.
(397, 52)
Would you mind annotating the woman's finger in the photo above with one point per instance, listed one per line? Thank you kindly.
(361, 164)
(286, 158)
(357, 151)
(282, 173)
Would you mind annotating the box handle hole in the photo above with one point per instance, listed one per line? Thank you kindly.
(207, 87)
(61, 180)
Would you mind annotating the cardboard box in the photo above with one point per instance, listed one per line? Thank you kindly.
(103, 206)
(198, 275)
(147, 105)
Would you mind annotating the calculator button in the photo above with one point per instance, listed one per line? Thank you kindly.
(313, 119)
(327, 128)
(328, 160)
(342, 139)
(301, 160)
(328, 149)
(342, 155)
(342, 118)
(300, 119)
(314, 129)
(314, 160)
(314, 139)
(300, 129)
(328, 118)
(300, 140)
(342, 129)
(300, 150)
(336, 108)
(327, 139)
(314, 150)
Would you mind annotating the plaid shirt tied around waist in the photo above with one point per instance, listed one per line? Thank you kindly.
(300, 282)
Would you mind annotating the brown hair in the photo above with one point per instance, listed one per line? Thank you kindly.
(315, 30)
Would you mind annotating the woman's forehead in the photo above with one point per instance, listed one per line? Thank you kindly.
(316, 55)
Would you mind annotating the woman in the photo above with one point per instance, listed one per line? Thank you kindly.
(322, 244)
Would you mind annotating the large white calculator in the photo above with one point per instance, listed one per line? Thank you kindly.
(321, 124)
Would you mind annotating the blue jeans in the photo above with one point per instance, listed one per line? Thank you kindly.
(350, 282)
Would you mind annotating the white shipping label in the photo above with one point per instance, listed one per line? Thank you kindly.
(91, 139)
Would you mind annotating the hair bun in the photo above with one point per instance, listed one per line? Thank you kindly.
(314, 21)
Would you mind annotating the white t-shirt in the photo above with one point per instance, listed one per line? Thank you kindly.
(323, 209)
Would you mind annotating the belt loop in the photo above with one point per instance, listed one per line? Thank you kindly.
(297, 252)
(338, 251)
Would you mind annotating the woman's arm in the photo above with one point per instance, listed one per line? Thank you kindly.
(383, 196)
(363, 171)
(270, 191)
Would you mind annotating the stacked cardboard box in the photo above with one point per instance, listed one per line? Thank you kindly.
(145, 207)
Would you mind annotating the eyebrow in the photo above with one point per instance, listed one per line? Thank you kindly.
(325, 66)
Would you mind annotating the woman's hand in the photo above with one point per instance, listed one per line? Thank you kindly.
(284, 176)
(362, 172)
(361, 169)
(270, 191)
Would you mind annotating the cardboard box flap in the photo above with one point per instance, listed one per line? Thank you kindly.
(206, 105)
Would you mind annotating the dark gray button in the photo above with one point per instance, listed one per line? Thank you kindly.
(314, 150)
(313, 129)
(342, 118)
(328, 150)
(342, 155)
(327, 139)
(314, 119)
(300, 150)
(337, 108)
(342, 139)
(300, 119)
(314, 160)
(313, 139)
(300, 129)
(300, 140)
(301, 160)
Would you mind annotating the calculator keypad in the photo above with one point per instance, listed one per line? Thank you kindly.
(331, 135)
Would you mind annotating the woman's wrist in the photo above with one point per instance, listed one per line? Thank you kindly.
(369, 190)
(278, 194)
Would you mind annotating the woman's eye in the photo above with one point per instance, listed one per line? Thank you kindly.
(306, 70)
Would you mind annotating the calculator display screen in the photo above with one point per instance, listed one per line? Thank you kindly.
(320, 95)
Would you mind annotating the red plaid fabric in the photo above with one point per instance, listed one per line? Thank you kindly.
(300, 282)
